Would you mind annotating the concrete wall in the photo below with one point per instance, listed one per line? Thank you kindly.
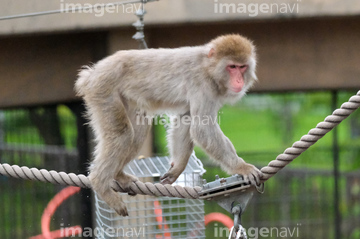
(297, 54)
(163, 12)
(42, 69)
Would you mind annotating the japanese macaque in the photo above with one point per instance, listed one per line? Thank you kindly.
(192, 82)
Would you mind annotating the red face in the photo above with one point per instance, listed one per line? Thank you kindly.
(236, 72)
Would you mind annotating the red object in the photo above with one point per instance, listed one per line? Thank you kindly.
(219, 217)
(159, 219)
(67, 192)
(49, 211)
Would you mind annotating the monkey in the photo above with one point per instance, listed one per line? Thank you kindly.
(190, 82)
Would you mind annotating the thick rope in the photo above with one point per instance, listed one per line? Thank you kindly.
(43, 175)
(157, 189)
(311, 138)
(80, 180)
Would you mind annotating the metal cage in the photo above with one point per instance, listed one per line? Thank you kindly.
(151, 217)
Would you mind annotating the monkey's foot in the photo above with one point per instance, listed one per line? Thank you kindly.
(121, 210)
(108, 195)
(125, 180)
(250, 173)
(172, 174)
(114, 201)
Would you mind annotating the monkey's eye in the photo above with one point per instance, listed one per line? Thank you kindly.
(243, 66)
(232, 66)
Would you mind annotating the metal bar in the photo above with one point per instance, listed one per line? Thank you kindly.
(83, 147)
(337, 219)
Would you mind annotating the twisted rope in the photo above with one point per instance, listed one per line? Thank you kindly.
(160, 190)
(43, 175)
(157, 189)
(311, 138)
(80, 180)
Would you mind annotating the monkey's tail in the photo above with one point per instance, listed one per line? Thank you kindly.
(82, 84)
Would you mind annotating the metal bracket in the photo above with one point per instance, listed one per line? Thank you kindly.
(233, 194)
(227, 191)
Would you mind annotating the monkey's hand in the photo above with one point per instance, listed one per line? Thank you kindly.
(250, 173)
(172, 174)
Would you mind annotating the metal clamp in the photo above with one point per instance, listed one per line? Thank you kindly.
(233, 194)
(139, 25)
(227, 191)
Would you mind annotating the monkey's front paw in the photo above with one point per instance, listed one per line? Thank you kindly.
(172, 174)
(250, 173)
(168, 178)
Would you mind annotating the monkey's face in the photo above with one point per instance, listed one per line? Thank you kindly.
(240, 75)
(236, 76)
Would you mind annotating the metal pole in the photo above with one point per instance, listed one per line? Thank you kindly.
(336, 173)
(83, 148)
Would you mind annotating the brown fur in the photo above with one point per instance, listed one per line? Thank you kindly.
(237, 47)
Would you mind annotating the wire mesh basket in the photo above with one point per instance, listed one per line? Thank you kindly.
(155, 217)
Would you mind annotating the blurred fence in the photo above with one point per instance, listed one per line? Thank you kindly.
(41, 137)
(23, 202)
(299, 202)
(304, 200)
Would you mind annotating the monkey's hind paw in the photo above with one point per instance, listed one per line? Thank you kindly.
(124, 188)
(122, 211)
(125, 181)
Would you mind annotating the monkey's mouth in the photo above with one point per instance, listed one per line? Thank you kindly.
(236, 89)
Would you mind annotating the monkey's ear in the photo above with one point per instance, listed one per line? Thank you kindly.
(211, 52)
